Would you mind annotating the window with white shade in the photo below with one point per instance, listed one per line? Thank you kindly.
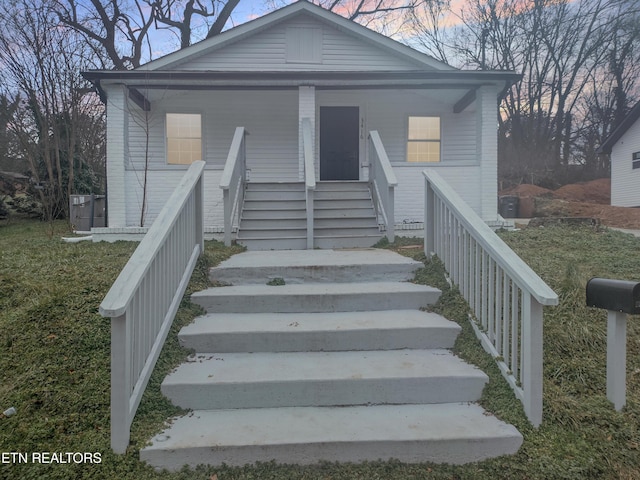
(423, 143)
(184, 138)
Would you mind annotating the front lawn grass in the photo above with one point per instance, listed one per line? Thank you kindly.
(54, 364)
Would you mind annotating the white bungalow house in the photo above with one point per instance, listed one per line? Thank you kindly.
(364, 98)
(623, 145)
(305, 130)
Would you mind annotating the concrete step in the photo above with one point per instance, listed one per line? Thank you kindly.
(347, 241)
(346, 231)
(256, 211)
(315, 332)
(366, 221)
(315, 266)
(316, 297)
(339, 203)
(280, 195)
(444, 433)
(330, 212)
(338, 186)
(273, 243)
(269, 205)
(271, 232)
(342, 195)
(275, 186)
(264, 223)
(303, 379)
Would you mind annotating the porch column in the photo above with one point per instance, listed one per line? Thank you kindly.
(306, 109)
(487, 143)
(117, 150)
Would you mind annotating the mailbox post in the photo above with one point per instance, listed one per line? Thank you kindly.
(619, 298)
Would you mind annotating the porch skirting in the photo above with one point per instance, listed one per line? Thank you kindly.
(216, 232)
(135, 234)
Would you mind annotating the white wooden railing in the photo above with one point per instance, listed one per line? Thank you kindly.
(383, 182)
(505, 295)
(309, 177)
(144, 299)
(233, 180)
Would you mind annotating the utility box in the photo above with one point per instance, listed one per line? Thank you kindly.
(614, 295)
(87, 211)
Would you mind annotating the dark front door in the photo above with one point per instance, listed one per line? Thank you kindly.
(339, 143)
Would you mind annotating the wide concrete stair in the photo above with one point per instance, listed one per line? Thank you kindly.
(273, 216)
(328, 367)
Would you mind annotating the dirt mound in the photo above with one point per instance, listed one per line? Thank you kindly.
(596, 191)
(588, 199)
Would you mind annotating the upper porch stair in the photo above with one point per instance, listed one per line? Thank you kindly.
(273, 216)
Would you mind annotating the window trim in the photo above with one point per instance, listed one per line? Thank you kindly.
(635, 160)
(407, 140)
(166, 136)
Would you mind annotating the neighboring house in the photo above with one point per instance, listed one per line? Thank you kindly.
(623, 145)
(267, 75)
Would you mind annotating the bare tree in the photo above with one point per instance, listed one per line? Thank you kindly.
(8, 107)
(117, 27)
(564, 50)
(42, 63)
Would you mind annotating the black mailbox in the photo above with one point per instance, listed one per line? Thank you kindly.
(615, 295)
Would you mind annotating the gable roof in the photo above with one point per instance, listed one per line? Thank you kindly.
(302, 7)
(621, 129)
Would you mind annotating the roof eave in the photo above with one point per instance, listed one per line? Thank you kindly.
(612, 139)
(185, 76)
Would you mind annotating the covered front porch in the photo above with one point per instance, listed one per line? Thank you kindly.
(354, 120)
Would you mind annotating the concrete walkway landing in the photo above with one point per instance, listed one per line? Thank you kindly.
(341, 363)
(298, 266)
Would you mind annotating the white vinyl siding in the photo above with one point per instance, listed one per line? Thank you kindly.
(270, 117)
(161, 184)
(268, 51)
(387, 111)
(625, 180)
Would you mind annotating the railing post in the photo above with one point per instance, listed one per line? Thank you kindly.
(429, 220)
(310, 213)
(532, 375)
(120, 384)
(309, 178)
(226, 200)
(391, 219)
(199, 199)
(233, 180)
(382, 187)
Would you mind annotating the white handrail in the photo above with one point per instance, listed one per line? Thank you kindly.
(504, 293)
(145, 297)
(233, 180)
(383, 182)
(309, 177)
